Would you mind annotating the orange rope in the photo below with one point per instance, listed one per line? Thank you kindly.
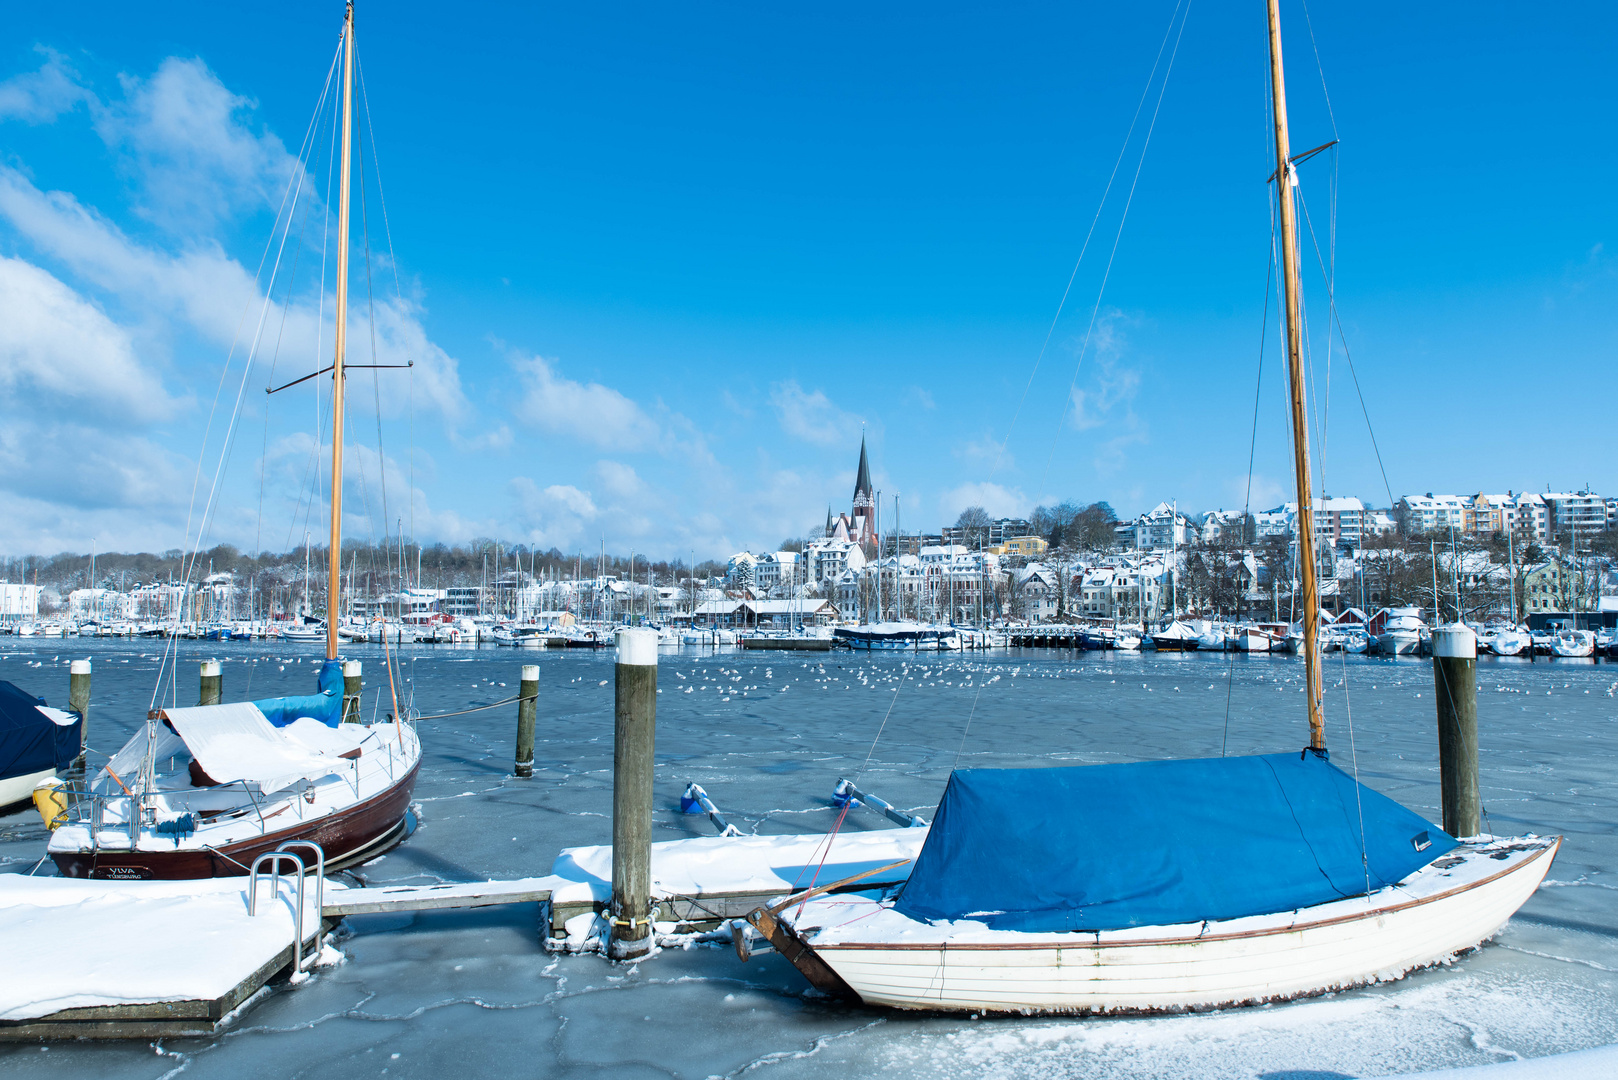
(824, 855)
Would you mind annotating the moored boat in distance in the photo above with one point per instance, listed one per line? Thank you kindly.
(1402, 631)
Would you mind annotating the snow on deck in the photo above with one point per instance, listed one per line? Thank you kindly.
(72, 944)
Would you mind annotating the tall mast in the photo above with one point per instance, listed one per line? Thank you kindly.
(1284, 178)
(335, 554)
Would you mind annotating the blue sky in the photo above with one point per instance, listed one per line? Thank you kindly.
(661, 265)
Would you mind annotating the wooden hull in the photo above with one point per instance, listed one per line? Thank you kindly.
(1314, 951)
(348, 837)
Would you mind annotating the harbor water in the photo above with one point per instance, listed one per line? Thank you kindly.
(457, 993)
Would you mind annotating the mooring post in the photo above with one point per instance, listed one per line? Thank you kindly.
(635, 729)
(212, 683)
(78, 700)
(351, 692)
(527, 705)
(1455, 680)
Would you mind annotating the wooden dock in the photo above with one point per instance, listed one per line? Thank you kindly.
(793, 644)
(391, 898)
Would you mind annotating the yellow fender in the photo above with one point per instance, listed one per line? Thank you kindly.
(51, 802)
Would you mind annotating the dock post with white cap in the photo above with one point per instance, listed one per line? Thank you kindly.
(1455, 651)
(635, 728)
(527, 706)
(78, 700)
(351, 692)
(212, 683)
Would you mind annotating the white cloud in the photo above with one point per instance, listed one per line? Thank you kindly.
(219, 299)
(87, 467)
(812, 417)
(54, 342)
(589, 412)
(997, 500)
(555, 516)
(184, 136)
(618, 479)
(39, 97)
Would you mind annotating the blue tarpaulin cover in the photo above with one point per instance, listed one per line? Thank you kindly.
(30, 741)
(325, 706)
(1103, 847)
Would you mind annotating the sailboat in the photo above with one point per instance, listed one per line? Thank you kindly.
(203, 791)
(1167, 885)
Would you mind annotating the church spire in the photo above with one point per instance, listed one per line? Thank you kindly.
(862, 482)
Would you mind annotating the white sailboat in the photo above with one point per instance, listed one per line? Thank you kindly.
(1167, 885)
(246, 777)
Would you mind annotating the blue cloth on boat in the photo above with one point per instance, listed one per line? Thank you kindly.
(30, 741)
(325, 706)
(1104, 847)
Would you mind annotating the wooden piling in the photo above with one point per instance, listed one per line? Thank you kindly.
(351, 691)
(78, 700)
(212, 683)
(635, 729)
(1455, 651)
(527, 706)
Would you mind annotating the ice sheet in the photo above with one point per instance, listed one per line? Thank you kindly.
(471, 992)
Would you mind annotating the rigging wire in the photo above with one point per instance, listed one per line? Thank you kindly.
(1105, 193)
(286, 209)
(1117, 237)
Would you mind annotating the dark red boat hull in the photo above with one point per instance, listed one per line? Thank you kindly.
(361, 832)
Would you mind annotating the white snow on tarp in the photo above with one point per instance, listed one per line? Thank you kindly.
(235, 742)
(71, 944)
(727, 864)
(1599, 1063)
(58, 716)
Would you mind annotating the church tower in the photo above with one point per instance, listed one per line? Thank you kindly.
(863, 519)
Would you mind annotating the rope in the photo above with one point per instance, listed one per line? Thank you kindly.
(1162, 90)
(884, 724)
(1107, 191)
(1252, 450)
(480, 708)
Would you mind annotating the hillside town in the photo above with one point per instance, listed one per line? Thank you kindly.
(1520, 556)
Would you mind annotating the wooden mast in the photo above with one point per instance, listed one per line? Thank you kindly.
(334, 573)
(1284, 178)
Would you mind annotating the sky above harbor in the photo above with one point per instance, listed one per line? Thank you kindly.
(658, 268)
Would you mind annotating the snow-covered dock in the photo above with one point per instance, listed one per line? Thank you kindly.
(140, 959)
(696, 883)
(699, 883)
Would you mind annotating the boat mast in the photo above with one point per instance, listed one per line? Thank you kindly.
(1285, 180)
(335, 553)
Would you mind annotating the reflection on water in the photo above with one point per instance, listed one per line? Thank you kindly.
(471, 991)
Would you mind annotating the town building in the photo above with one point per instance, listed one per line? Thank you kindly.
(1024, 547)
(1576, 513)
(1431, 513)
(1160, 528)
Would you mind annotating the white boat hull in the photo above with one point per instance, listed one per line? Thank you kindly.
(16, 789)
(1251, 641)
(1399, 643)
(1444, 909)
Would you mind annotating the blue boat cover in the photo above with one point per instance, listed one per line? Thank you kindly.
(30, 741)
(325, 706)
(1104, 847)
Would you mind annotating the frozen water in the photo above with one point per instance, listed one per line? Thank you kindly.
(471, 993)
